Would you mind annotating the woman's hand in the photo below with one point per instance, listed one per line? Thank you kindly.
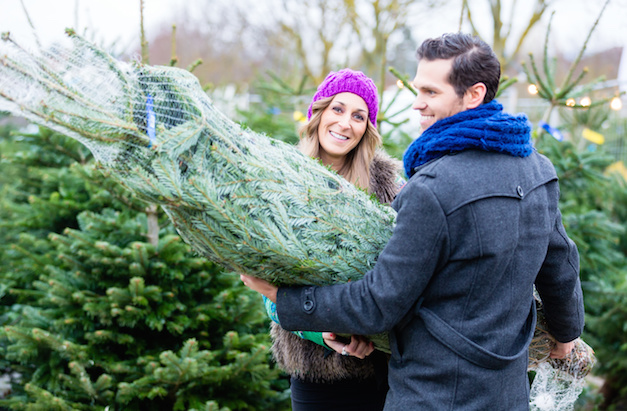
(359, 347)
(261, 286)
(561, 350)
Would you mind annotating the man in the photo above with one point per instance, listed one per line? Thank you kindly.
(478, 225)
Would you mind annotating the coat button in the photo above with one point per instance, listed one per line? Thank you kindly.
(520, 192)
(309, 304)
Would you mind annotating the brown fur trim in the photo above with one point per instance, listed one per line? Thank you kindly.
(306, 360)
(384, 172)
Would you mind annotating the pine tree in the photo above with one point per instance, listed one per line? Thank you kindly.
(98, 316)
(248, 202)
(593, 207)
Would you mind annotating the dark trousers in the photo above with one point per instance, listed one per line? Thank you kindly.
(346, 395)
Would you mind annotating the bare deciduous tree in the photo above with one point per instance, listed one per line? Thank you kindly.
(506, 42)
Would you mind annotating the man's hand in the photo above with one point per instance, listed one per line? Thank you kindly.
(359, 347)
(561, 350)
(261, 286)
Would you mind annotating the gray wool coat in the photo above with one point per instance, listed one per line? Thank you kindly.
(454, 285)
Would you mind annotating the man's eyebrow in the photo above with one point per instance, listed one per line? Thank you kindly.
(427, 87)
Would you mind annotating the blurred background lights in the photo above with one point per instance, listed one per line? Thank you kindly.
(299, 116)
(616, 104)
(585, 101)
(532, 89)
(571, 102)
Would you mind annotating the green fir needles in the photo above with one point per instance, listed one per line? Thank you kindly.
(248, 202)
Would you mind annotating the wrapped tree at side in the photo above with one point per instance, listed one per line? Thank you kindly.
(243, 200)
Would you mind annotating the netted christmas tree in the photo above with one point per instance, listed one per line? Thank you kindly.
(248, 202)
(97, 316)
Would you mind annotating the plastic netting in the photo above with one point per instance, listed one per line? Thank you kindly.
(241, 199)
(554, 389)
(245, 201)
(558, 382)
(116, 109)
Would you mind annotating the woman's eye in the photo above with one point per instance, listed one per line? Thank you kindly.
(337, 109)
(359, 117)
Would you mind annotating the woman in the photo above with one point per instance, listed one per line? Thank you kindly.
(342, 133)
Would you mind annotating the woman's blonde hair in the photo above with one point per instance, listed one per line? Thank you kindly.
(356, 168)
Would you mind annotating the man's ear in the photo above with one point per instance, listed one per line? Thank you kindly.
(474, 95)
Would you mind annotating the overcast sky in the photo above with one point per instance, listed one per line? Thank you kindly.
(117, 20)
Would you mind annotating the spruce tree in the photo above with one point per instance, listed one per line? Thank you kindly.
(593, 207)
(96, 316)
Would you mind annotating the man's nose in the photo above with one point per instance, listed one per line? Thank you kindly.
(419, 103)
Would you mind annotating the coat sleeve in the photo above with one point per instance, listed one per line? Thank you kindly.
(385, 294)
(315, 337)
(559, 286)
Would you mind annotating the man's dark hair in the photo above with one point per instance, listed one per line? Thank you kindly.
(473, 61)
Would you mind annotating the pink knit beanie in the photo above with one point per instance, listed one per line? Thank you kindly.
(355, 82)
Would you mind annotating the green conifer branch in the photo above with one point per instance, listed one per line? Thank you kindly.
(543, 89)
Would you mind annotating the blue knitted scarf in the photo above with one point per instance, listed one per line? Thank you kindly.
(485, 128)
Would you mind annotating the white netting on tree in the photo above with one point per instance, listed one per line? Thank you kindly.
(245, 201)
(554, 389)
(248, 202)
(558, 382)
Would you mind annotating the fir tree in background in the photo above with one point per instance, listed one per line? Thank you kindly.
(95, 316)
(594, 209)
(38, 195)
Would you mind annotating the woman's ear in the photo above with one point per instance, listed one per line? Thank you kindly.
(474, 95)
